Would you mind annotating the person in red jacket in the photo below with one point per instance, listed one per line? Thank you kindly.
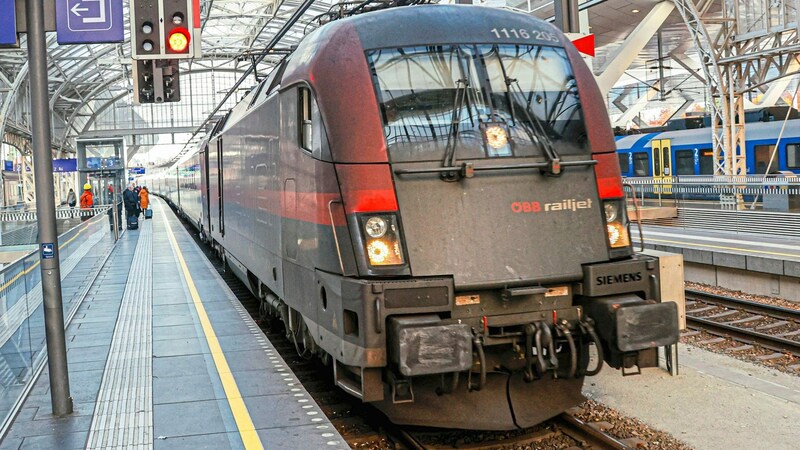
(87, 202)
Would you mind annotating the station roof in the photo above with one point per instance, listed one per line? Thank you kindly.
(91, 85)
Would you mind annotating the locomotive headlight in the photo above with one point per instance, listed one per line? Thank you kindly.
(382, 240)
(611, 212)
(378, 252)
(616, 223)
(618, 235)
(496, 136)
(376, 227)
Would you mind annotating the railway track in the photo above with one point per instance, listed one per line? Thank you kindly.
(772, 327)
(364, 427)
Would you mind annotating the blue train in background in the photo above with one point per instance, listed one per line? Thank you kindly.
(683, 147)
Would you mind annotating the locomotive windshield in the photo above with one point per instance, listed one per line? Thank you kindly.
(488, 100)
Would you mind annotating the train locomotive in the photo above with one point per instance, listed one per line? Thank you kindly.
(429, 198)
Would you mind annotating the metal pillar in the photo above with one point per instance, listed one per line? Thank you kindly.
(567, 19)
(46, 211)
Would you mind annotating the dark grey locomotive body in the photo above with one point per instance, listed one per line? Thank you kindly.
(429, 199)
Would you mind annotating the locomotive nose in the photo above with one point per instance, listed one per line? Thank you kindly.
(504, 228)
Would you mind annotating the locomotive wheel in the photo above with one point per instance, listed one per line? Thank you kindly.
(299, 335)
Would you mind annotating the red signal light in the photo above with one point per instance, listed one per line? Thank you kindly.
(178, 40)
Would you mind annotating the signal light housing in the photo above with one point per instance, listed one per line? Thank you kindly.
(165, 29)
(156, 81)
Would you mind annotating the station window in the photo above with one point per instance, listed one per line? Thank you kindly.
(706, 161)
(305, 122)
(624, 164)
(793, 156)
(641, 164)
(684, 162)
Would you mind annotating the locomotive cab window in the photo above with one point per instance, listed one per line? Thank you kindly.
(793, 156)
(477, 101)
(306, 137)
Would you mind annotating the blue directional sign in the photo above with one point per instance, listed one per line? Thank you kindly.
(65, 165)
(89, 21)
(8, 23)
(136, 171)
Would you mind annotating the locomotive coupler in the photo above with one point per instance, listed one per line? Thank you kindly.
(542, 367)
(563, 330)
(547, 339)
(530, 331)
(587, 329)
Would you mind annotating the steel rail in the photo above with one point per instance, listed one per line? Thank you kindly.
(747, 335)
(587, 435)
(764, 309)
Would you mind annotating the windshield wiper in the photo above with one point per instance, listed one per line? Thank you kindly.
(452, 137)
(542, 138)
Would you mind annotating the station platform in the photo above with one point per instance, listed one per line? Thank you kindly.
(753, 263)
(162, 355)
(717, 402)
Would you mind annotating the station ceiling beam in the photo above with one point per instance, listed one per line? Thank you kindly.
(136, 132)
(629, 50)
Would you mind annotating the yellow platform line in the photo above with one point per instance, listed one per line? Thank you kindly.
(244, 423)
(722, 247)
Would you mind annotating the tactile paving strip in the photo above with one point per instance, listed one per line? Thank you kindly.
(123, 415)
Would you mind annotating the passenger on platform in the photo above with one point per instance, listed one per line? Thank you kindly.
(87, 202)
(71, 198)
(144, 200)
(131, 201)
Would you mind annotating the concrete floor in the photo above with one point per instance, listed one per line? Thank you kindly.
(716, 402)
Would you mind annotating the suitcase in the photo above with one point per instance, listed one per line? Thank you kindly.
(148, 213)
(133, 222)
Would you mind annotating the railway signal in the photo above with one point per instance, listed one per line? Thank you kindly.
(165, 29)
(156, 81)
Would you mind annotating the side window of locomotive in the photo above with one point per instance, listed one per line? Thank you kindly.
(641, 164)
(306, 137)
(793, 156)
(706, 161)
(624, 164)
(684, 162)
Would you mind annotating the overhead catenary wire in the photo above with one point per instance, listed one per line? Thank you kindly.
(296, 15)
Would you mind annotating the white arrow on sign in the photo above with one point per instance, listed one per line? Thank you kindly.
(75, 10)
(99, 19)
